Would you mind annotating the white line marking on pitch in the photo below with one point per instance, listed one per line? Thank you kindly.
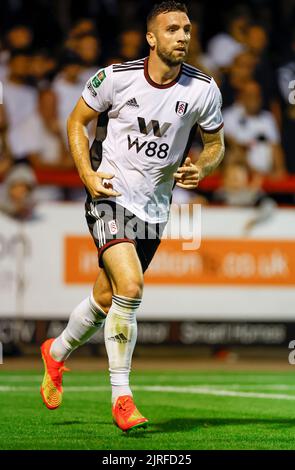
(190, 390)
(38, 378)
(192, 381)
(211, 391)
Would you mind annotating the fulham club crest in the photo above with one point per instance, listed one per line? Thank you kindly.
(113, 228)
(181, 108)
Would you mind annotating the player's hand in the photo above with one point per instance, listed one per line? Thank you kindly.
(96, 185)
(188, 176)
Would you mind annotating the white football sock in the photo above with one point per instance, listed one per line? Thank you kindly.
(120, 336)
(85, 320)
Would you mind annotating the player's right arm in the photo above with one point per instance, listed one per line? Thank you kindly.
(79, 147)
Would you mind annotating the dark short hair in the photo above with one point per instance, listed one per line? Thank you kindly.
(165, 7)
(69, 57)
(26, 52)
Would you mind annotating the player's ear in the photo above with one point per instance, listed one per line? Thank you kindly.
(151, 39)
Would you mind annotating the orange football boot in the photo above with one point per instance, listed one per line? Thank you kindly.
(126, 416)
(51, 388)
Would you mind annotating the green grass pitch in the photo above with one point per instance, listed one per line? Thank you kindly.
(187, 410)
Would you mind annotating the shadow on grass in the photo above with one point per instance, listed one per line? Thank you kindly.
(183, 425)
(139, 433)
(189, 424)
(82, 422)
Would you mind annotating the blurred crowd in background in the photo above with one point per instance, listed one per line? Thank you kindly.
(48, 50)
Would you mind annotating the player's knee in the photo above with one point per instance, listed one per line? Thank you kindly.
(106, 303)
(132, 289)
(104, 300)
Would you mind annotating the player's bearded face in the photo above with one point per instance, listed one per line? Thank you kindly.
(173, 55)
(173, 37)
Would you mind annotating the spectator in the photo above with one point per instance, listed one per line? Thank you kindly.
(224, 47)
(237, 190)
(82, 26)
(50, 151)
(19, 37)
(67, 87)
(20, 104)
(89, 50)
(257, 43)
(255, 131)
(131, 43)
(33, 136)
(42, 69)
(240, 72)
(17, 199)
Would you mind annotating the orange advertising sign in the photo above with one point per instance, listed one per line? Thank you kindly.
(216, 262)
(225, 262)
(80, 260)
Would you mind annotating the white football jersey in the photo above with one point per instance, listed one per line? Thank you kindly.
(149, 130)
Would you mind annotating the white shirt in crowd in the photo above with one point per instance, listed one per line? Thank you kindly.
(258, 132)
(222, 49)
(149, 130)
(48, 148)
(20, 103)
(67, 96)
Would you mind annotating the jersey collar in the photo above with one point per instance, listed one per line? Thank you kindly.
(157, 85)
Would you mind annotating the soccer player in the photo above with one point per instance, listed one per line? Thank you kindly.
(148, 111)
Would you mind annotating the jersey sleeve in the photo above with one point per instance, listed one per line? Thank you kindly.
(210, 117)
(98, 91)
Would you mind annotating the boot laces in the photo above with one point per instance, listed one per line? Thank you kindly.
(126, 405)
(57, 375)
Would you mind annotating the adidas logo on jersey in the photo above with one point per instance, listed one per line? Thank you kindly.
(120, 338)
(133, 103)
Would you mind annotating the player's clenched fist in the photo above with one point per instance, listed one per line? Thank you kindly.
(188, 176)
(97, 187)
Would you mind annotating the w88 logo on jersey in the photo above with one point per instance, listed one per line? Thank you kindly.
(150, 148)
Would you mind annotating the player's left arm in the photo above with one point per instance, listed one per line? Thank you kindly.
(189, 175)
